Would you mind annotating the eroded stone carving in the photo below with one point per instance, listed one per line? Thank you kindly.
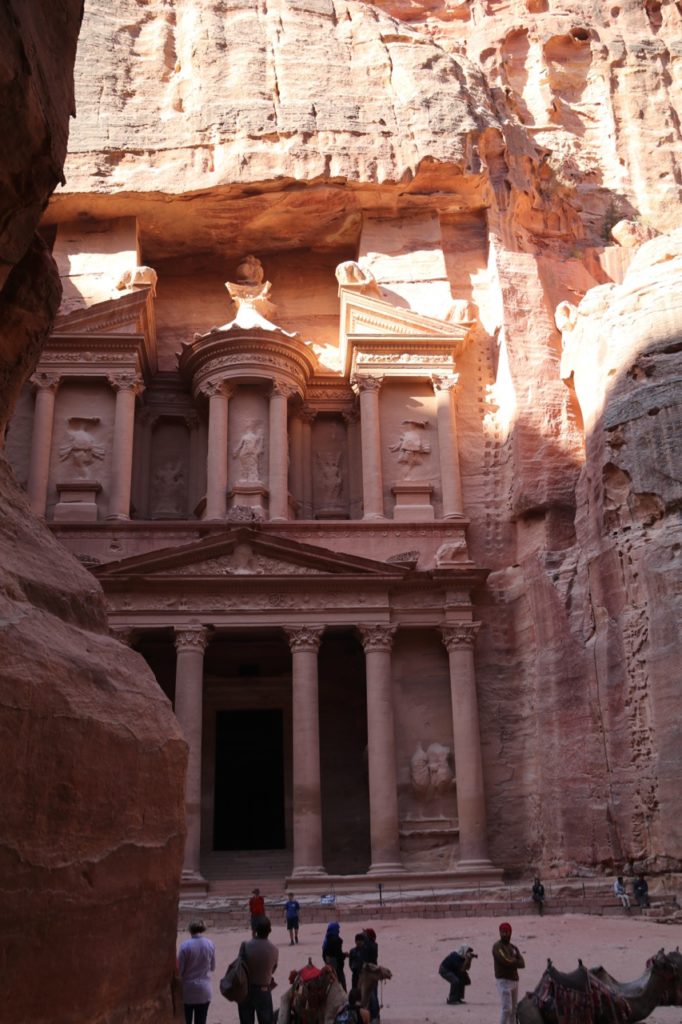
(430, 771)
(169, 489)
(452, 553)
(245, 514)
(350, 273)
(138, 277)
(408, 558)
(81, 449)
(411, 445)
(248, 453)
(330, 479)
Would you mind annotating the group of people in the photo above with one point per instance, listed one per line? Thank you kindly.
(364, 951)
(507, 960)
(640, 890)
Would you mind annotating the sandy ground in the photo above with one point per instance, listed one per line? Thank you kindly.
(413, 949)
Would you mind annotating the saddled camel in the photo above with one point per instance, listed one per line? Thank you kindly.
(319, 1002)
(595, 997)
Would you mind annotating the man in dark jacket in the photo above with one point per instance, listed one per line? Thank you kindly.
(506, 961)
(454, 969)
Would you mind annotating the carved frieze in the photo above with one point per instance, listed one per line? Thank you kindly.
(242, 562)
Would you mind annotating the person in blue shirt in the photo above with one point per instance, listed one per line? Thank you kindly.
(291, 911)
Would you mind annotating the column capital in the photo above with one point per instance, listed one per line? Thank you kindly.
(304, 638)
(124, 634)
(461, 634)
(366, 382)
(352, 415)
(126, 381)
(282, 389)
(445, 382)
(307, 414)
(377, 637)
(44, 381)
(191, 638)
(209, 388)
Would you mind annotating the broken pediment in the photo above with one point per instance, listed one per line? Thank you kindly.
(245, 553)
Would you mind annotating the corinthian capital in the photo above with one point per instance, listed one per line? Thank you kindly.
(462, 634)
(126, 381)
(285, 390)
(445, 382)
(305, 638)
(366, 382)
(377, 637)
(216, 387)
(43, 381)
(191, 638)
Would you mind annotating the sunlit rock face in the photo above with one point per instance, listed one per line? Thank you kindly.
(93, 761)
(474, 152)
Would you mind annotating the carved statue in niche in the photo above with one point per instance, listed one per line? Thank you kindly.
(248, 452)
(169, 489)
(411, 445)
(331, 480)
(430, 771)
(80, 448)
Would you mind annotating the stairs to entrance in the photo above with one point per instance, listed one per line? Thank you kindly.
(237, 873)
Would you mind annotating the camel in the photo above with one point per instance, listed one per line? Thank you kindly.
(328, 995)
(595, 997)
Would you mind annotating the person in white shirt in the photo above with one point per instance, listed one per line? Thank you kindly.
(196, 959)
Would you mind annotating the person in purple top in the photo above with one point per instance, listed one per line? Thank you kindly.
(196, 959)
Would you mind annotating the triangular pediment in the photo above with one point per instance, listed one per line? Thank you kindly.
(128, 312)
(367, 316)
(241, 554)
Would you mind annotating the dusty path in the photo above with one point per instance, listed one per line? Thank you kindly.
(413, 950)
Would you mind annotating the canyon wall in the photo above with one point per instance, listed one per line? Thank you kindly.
(93, 761)
(479, 151)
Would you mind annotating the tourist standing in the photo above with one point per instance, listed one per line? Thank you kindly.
(454, 969)
(196, 960)
(291, 912)
(506, 962)
(619, 891)
(332, 951)
(538, 895)
(256, 910)
(261, 961)
(640, 889)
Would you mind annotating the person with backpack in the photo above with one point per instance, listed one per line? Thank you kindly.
(260, 957)
(196, 960)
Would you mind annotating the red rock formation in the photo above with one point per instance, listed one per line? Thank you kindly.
(93, 762)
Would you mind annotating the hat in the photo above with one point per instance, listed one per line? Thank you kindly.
(463, 950)
(333, 926)
(505, 927)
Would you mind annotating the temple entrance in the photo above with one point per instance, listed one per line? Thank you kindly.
(249, 786)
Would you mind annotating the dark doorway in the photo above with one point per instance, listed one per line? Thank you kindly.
(249, 781)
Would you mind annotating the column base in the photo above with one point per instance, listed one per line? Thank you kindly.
(117, 517)
(453, 515)
(317, 871)
(385, 867)
(192, 882)
(481, 868)
(377, 517)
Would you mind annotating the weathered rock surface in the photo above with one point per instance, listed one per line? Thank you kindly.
(93, 762)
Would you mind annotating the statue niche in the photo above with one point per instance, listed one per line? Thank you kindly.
(169, 491)
(80, 450)
(428, 826)
(248, 453)
(411, 446)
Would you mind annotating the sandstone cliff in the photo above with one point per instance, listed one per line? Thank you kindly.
(523, 132)
(93, 762)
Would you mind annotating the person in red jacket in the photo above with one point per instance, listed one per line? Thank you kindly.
(256, 910)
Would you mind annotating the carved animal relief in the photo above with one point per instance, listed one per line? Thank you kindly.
(80, 450)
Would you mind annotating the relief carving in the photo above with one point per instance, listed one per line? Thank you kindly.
(80, 448)
(351, 273)
(411, 446)
(461, 635)
(452, 553)
(330, 479)
(138, 277)
(245, 514)
(248, 453)
(430, 771)
(169, 489)
(305, 637)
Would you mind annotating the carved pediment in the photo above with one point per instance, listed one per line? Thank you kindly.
(244, 553)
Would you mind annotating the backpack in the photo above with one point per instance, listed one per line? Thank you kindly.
(234, 986)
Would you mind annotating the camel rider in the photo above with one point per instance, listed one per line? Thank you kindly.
(506, 962)
(454, 969)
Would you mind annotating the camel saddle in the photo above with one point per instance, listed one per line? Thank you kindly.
(578, 998)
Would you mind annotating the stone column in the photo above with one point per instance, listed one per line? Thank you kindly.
(451, 483)
(45, 385)
(305, 644)
(307, 417)
(127, 387)
(193, 494)
(383, 781)
(218, 394)
(190, 643)
(370, 430)
(473, 840)
(296, 433)
(278, 452)
(352, 420)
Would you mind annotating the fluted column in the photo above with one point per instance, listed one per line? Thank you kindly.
(445, 388)
(127, 387)
(473, 839)
(370, 430)
(218, 394)
(45, 385)
(278, 447)
(377, 641)
(307, 419)
(305, 644)
(190, 644)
